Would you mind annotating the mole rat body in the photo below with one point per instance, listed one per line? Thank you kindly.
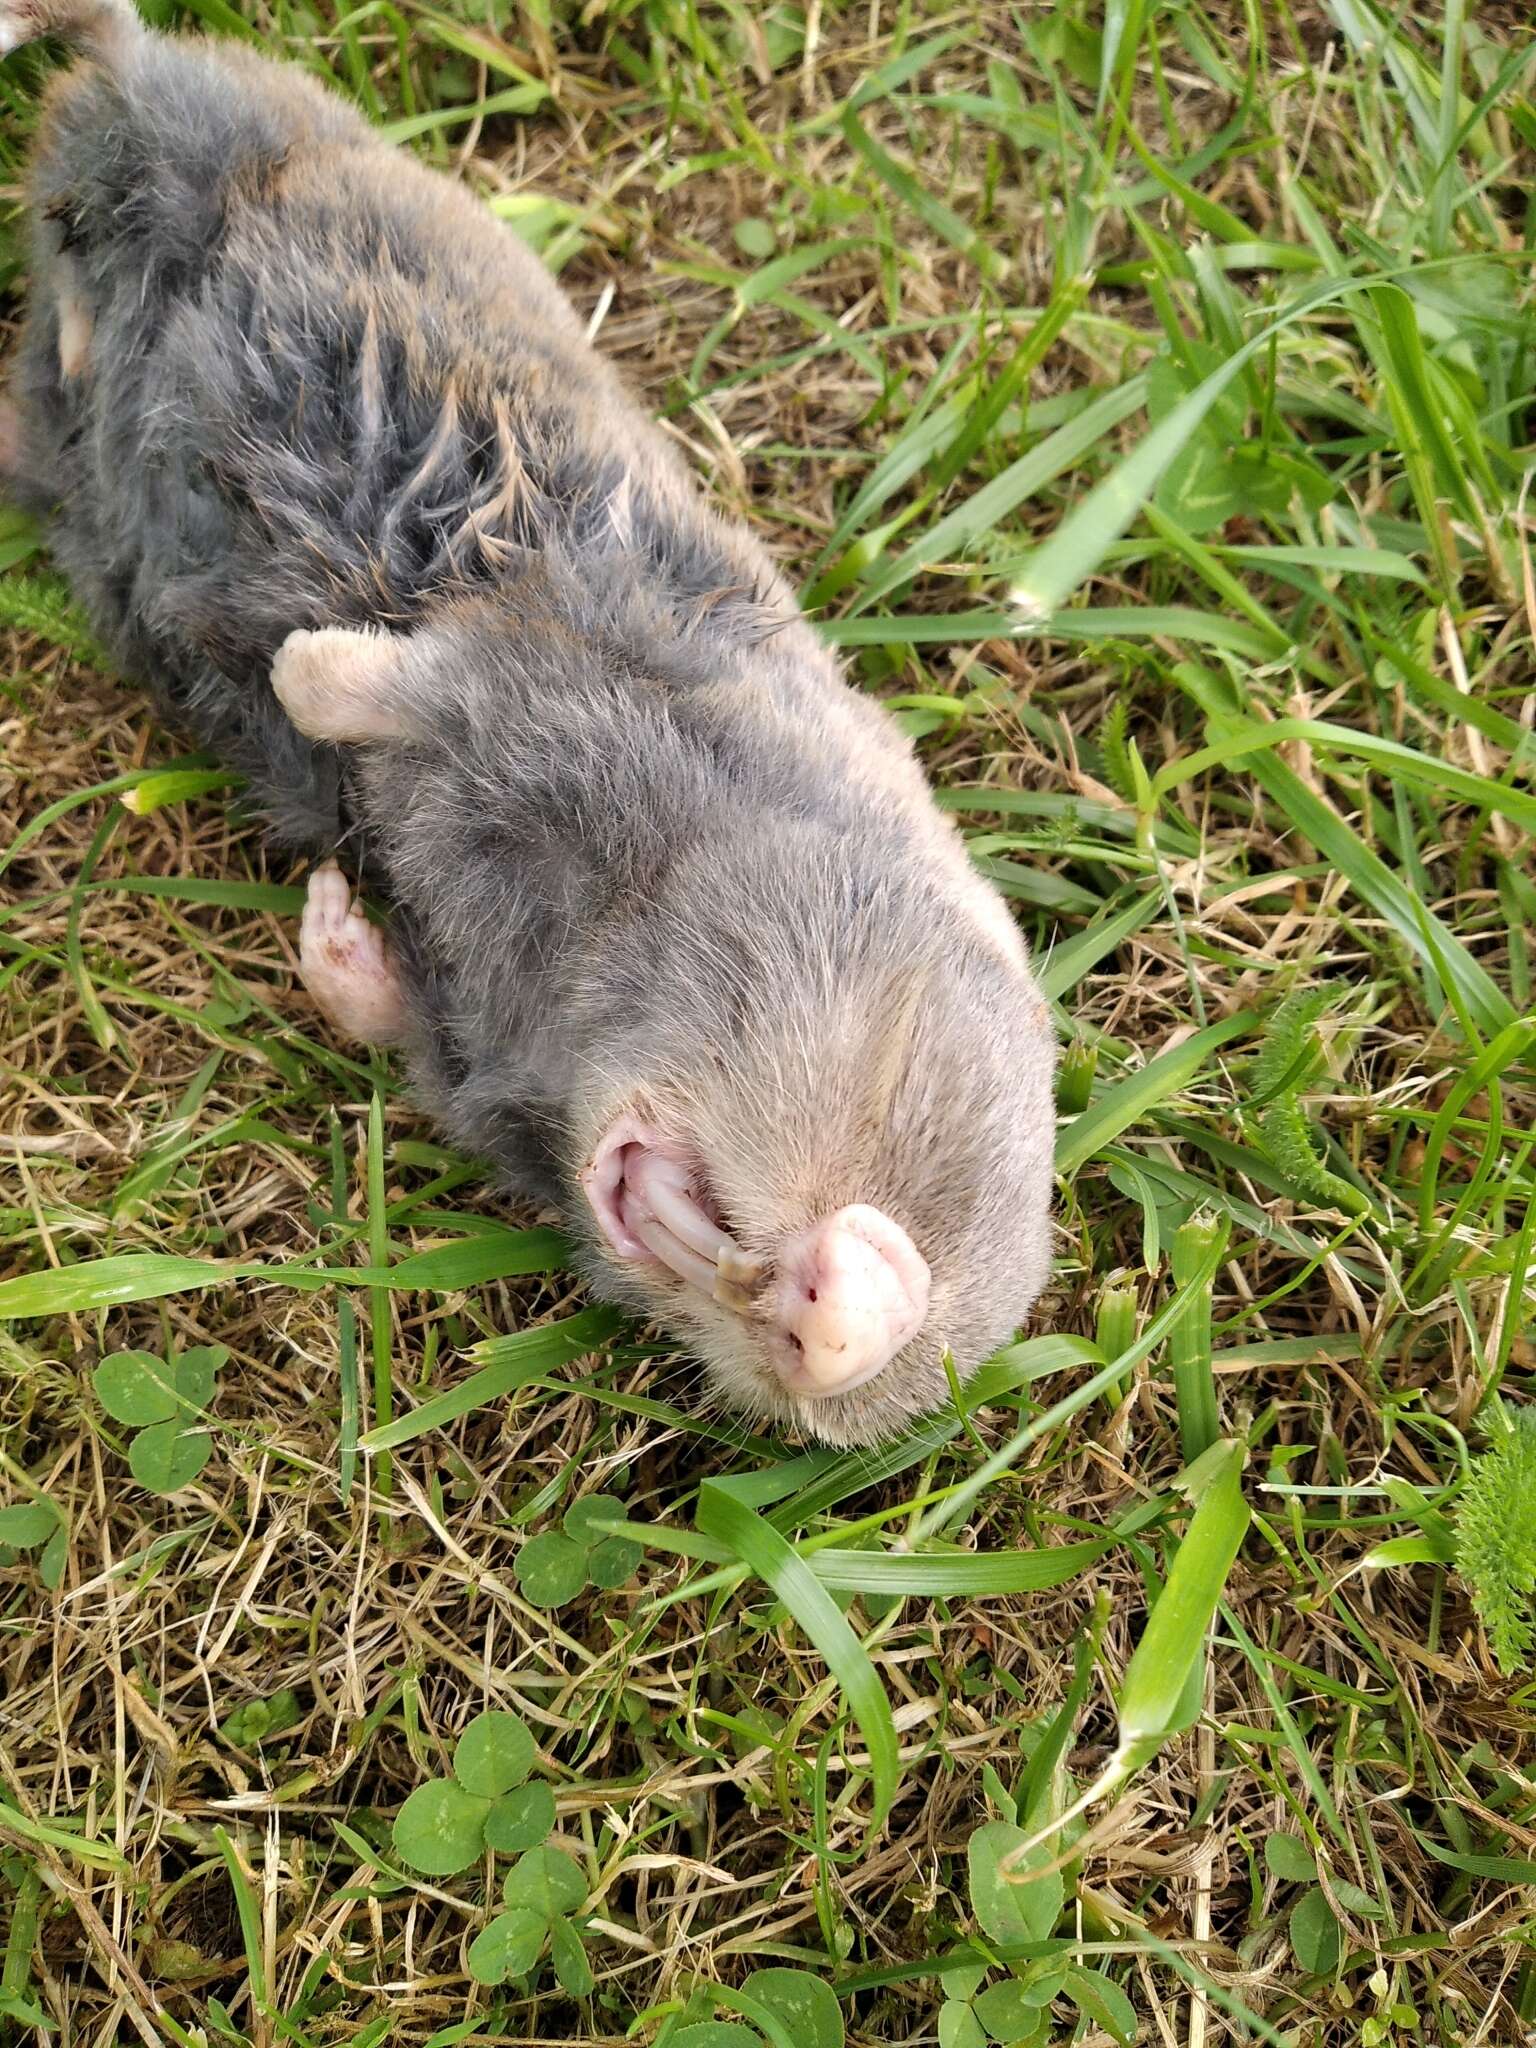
(679, 940)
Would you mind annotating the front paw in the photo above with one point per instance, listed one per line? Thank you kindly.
(334, 683)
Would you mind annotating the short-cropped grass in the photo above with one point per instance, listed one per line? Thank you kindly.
(1145, 400)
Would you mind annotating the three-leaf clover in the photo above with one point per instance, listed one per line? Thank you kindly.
(1012, 1905)
(1317, 1939)
(161, 1399)
(558, 1566)
(543, 1890)
(448, 1822)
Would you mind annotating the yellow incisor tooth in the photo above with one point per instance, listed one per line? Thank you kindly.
(738, 1276)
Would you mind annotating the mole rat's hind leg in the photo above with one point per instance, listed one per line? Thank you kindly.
(102, 28)
(345, 963)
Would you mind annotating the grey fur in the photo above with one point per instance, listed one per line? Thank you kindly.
(642, 845)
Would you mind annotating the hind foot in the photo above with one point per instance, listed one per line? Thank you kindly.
(345, 963)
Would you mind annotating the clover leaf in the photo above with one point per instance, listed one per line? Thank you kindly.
(197, 1370)
(547, 1881)
(1009, 1905)
(1007, 2012)
(167, 1457)
(551, 1569)
(520, 1820)
(136, 1387)
(160, 1398)
(806, 2005)
(509, 1947)
(959, 2026)
(582, 1516)
(542, 1889)
(556, 1567)
(1100, 1999)
(613, 1563)
(28, 1524)
(1317, 1940)
(570, 1960)
(494, 1754)
(446, 1824)
(441, 1828)
(37, 1524)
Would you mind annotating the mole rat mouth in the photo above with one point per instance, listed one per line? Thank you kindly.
(651, 1199)
(838, 1302)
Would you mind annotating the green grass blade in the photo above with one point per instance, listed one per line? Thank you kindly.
(931, 1576)
(249, 1913)
(1195, 1245)
(379, 1312)
(1142, 1092)
(351, 1402)
(62, 1841)
(1173, 1641)
(983, 511)
(1368, 874)
(518, 1361)
(1090, 530)
(151, 1276)
(759, 1545)
(933, 212)
(1065, 966)
(495, 1254)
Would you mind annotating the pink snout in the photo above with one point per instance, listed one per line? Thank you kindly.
(848, 1294)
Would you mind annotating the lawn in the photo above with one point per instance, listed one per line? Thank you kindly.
(1146, 406)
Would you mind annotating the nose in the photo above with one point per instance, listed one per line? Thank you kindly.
(850, 1292)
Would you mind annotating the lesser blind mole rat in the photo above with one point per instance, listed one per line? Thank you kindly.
(679, 940)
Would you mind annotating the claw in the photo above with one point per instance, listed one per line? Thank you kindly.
(739, 1277)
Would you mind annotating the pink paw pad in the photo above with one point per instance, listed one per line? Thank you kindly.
(345, 963)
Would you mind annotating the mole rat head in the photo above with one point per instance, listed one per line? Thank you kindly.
(820, 1149)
